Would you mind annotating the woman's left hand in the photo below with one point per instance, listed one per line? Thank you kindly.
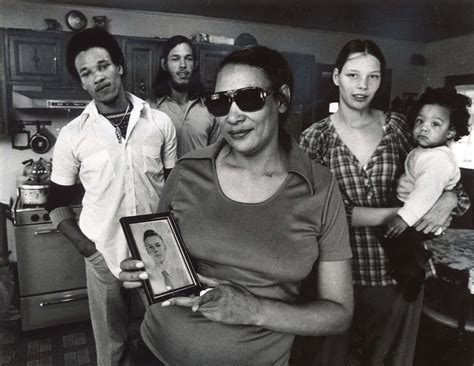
(438, 218)
(225, 302)
(433, 223)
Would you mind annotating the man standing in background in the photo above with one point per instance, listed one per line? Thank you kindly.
(121, 150)
(178, 92)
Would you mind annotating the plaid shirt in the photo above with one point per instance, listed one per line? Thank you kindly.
(373, 185)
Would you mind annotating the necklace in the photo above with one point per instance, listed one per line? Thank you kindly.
(117, 125)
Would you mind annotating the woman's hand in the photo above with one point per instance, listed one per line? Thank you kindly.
(225, 302)
(132, 273)
(438, 218)
(395, 227)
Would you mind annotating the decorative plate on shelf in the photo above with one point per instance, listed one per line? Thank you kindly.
(76, 20)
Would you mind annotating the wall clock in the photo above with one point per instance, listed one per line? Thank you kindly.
(76, 20)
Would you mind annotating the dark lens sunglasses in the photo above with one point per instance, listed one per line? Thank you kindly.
(247, 99)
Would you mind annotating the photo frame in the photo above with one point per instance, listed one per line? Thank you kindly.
(155, 240)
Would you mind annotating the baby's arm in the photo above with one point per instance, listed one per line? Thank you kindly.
(432, 173)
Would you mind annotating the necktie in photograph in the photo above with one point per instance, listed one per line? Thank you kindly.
(168, 282)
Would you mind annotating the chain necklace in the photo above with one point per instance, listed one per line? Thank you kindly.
(117, 125)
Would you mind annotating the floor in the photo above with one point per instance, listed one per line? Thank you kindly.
(73, 345)
(69, 345)
(66, 345)
(438, 345)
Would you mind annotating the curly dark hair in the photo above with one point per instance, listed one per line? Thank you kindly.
(447, 97)
(90, 38)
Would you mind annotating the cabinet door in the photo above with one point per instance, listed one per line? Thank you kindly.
(35, 58)
(301, 112)
(3, 95)
(142, 63)
(302, 67)
(68, 80)
(210, 57)
(46, 261)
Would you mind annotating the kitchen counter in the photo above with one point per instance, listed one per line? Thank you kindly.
(456, 250)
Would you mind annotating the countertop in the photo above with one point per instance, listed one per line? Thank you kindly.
(455, 249)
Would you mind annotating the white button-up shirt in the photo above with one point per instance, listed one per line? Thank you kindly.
(120, 179)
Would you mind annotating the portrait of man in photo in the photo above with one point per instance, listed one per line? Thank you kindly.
(168, 271)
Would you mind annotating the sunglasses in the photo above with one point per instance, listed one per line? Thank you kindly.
(249, 99)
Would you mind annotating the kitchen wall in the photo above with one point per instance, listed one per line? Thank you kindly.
(454, 56)
(11, 159)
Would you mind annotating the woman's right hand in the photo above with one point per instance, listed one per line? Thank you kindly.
(132, 273)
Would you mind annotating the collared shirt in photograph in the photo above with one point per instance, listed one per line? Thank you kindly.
(120, 179)
(195, 126)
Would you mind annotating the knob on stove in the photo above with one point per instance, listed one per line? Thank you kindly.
(35, 217)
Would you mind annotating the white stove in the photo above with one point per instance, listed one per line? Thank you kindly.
(24, 214)
(51, 272)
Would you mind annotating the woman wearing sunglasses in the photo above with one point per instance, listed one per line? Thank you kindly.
(365, 148)
(256, 215)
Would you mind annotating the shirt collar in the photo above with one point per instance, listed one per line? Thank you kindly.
(160, 100)
(137, 103)
(298, 161)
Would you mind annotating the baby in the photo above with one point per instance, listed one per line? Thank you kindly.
(430, 169)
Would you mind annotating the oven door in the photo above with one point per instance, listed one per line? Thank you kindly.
(47, 261)
(46, 310)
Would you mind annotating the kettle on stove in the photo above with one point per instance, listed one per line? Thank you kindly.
(35, 189)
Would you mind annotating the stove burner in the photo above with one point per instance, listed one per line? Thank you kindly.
(25, 214)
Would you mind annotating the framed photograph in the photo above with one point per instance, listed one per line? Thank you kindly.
(155, 240)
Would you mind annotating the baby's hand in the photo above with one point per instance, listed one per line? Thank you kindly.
(395, 227)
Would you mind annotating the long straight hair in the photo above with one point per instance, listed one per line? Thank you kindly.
(161, 85)
(360, 46)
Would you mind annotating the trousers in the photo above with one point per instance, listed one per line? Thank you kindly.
(383, 331)
(110, 307)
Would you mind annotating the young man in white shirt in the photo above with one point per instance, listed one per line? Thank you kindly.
(121, 150)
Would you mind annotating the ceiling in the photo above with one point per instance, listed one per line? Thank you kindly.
(415, 20)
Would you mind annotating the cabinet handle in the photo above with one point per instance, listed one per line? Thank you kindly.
(63, 300)
(46, 231)
(36, 59)
(142, 87)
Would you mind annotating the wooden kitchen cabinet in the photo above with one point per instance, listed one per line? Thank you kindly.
(67, 79)
(35, 57)
(142, 60)
(210, 57)
(302, 67)
(38, 58)
(3, 92)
